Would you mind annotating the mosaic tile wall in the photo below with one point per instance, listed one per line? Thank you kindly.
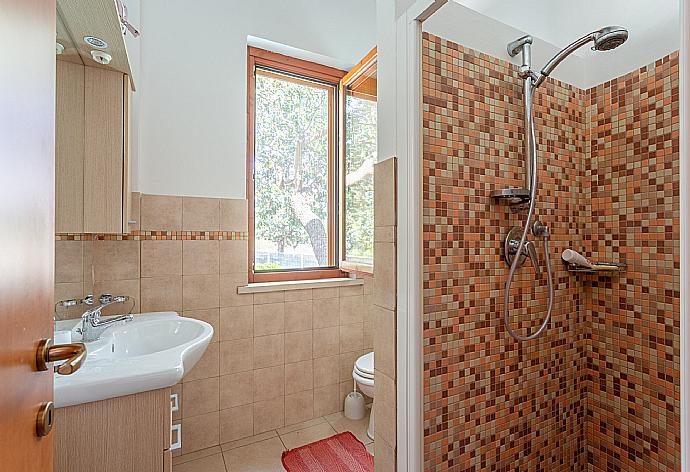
(491, 403)
(599, 390)
(633, 415)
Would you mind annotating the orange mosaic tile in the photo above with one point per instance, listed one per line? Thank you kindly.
(491, 403)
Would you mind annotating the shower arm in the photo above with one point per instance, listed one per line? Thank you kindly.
(558, 58)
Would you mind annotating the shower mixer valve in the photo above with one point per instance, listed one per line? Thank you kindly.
(512, 243)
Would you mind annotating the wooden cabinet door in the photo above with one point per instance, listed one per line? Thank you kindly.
(69, 147)
(27, 199)
(103, 150)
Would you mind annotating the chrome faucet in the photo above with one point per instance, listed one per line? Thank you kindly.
(91, 324)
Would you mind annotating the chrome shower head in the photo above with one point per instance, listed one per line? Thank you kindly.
(609, 38)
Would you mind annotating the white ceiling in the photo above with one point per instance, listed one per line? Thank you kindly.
(654, 27)
(562, 21)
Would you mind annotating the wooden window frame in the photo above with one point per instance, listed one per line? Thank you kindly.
(355, 74)
(331, 76)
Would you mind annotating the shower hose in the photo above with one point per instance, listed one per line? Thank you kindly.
(516, 259)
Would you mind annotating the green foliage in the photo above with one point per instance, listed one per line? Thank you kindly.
(360, 147)
(268, 266)
(289, 115)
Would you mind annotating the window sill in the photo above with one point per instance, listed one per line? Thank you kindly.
(297, 285)
(357, 268)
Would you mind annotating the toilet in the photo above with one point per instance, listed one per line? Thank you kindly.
(363, 373)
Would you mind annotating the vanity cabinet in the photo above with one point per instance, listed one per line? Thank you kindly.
(91, 149)
(123, 434)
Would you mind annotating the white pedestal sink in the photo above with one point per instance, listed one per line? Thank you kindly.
(155, 350)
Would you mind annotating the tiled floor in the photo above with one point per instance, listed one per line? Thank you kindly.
(262, 453)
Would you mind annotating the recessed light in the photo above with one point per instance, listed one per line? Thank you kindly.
(96, 42)
(59, 48)
(101, 57)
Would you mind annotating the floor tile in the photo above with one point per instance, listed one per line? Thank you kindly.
(247, 441)
(263, 456)
(212, 463)
(196, 455)
(356, 427)
(370, 448)
(303, 425)
(308, 435)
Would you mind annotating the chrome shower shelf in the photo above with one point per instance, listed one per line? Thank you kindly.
(619, 267)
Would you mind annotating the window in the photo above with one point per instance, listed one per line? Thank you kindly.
(358, 150)
(302, 179)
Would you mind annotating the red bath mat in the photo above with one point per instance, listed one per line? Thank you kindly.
(340, 453)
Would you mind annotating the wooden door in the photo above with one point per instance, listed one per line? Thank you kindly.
(27, 153)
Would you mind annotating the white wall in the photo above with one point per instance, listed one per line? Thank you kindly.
(193, 81)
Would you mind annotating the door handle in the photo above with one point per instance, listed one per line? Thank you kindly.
(74, 355)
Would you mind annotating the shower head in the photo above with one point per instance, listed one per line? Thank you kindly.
(604, 39)
(609, 38)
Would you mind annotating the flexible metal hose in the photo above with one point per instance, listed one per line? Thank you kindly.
(530, 212)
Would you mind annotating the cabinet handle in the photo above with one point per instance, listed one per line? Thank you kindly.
(177, 429)
(73, 355)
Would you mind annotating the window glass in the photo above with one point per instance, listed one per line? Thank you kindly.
(291, 172)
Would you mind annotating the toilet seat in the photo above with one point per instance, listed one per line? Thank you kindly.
(365, 365)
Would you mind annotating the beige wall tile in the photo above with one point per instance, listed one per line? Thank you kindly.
(368, 336)
(299, 376)
(351, 337)
(236, 389)
(208, 365)
(234, 215)
(236, 423)
(236, 322)
(384, 275)
(299, 407)
(200, 291)
(68, 261)
(351, 291)
(326, 371)
(329, 292)
(200, 432)
(298, 315)
(385, 341)
(236, 356)
(326, 342)
(326, 313)
(269, 319)
(298, 346)
(228, 290)
(210, 316)
(351, 309)
(269, 351)
(130, 288)
(368, 285)
(298, 295)
(269, 297)
(69, 291)
(384, 193)
(201, 396)
(384, 234)
(346, 364)
(385, 418)
(160, 258)
(161, 294)
(384, 454)
(269, 414)
(269, 383)
(87, 263)
(327, 400)
(233, 256)
(200, 214)
(161, 213)
(116, 260)
(200, 257)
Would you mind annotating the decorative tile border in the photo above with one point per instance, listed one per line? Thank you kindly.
(138, 235)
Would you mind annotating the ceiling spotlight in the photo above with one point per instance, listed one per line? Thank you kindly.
(101, 57)
(59, 48)
(96, 42)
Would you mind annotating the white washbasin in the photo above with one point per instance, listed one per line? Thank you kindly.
(155, 350)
